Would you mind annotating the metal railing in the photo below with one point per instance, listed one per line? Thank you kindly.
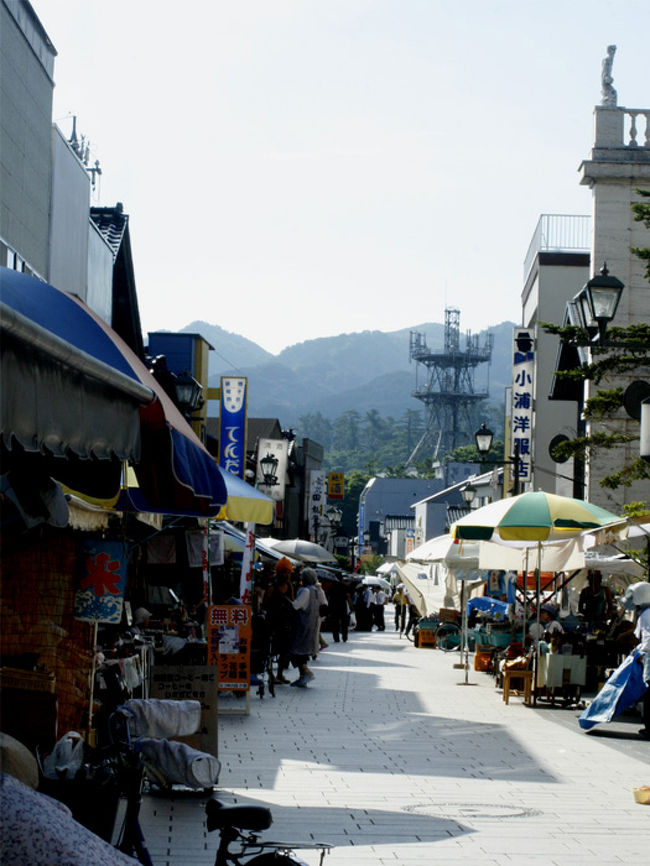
(559, 233)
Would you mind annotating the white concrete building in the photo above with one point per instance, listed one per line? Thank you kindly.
(555, 269)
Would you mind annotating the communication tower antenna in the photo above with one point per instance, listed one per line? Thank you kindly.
(449, 392)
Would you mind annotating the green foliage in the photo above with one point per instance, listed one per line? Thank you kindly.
(641, 212)
(603, 404)
(355, 481)
(370, 566)
(469, 454)
(636, 509)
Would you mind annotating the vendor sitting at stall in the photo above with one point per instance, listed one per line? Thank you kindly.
(596, 604)
(548, 627)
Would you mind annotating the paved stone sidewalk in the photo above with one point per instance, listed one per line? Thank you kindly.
(387, 758)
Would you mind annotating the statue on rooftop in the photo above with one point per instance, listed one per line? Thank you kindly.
(608, 92)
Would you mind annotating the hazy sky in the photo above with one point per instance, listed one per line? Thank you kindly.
(300, 168)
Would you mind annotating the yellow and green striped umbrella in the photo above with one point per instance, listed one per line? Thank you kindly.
(530, 517)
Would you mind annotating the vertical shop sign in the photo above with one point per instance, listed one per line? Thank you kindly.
(246, 577)
(278, 448)
(99, 595)
(232, 426)
(229, 645)
(522, 408)
(205, 564)
(335, 485)
(409, 544)
(315, 505)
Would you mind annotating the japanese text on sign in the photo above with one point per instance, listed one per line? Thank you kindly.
(229, 645)
(522, 409)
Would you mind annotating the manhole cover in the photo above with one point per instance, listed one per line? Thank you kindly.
(473, 811)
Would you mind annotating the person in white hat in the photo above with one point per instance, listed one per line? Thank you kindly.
(637, 597)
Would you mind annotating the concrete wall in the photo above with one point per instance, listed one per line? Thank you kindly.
(616, 169)
(99, 291)
(69, 222)
(554, 279)
(26, 64)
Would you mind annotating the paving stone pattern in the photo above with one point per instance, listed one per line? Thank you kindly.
(389, 759)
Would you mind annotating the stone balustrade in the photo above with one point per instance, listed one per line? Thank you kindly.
(635, 133)
(619, 127)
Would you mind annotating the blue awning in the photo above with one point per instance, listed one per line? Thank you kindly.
(75, 392)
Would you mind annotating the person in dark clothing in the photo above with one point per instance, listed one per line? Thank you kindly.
(596, 604)
(362, 610)
(338, 615)
(414, 616)
(280, 614)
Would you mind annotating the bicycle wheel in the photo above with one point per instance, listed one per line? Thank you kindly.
(448, 637)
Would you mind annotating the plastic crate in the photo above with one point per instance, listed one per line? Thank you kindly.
(500, 639)
(482, 660)
(426, 637)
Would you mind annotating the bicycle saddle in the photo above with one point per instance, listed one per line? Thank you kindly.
(241, 817)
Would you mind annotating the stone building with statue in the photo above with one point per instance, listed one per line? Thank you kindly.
(567, 255)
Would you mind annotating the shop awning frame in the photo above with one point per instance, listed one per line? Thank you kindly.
(72, 388)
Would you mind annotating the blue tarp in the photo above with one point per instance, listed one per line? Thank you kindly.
(623, 689)
(487, 605)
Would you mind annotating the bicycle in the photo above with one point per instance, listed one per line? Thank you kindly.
(448, 637)
(231, 820)
(116, 775)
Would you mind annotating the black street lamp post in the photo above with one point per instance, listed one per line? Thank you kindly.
(483, 438)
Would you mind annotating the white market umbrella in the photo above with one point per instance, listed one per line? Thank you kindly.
(531, 519)
(299, 548)
(373, 580)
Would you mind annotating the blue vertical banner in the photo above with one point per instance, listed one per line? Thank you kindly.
(232, 427)
(99, 596)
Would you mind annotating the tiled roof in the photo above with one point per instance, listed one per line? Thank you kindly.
(111, 223)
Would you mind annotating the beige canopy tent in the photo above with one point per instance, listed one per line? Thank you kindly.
(432, 571)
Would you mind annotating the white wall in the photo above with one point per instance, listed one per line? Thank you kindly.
(99, 296)
(69, 219)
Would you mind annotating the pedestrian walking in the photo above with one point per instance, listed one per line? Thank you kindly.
(304, 632)
(338, 615)
(401, 602)
(380, 601)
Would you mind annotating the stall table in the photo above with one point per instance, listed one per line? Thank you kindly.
(556, 671)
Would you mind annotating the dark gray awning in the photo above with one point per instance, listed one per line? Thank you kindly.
(60, 400)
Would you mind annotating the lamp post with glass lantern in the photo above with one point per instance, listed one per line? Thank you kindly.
(595, 306)
(484, 438)
(468, 493)
(269, 467)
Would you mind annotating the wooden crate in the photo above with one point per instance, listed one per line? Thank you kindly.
(448, 614)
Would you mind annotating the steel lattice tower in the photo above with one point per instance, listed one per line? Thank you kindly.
(449, 392)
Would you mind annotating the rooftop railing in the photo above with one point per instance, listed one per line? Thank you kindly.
(638, 133)
(559, 233)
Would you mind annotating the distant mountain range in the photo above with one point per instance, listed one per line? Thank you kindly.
(331, 375)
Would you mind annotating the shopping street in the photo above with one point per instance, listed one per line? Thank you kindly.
(389, 759)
